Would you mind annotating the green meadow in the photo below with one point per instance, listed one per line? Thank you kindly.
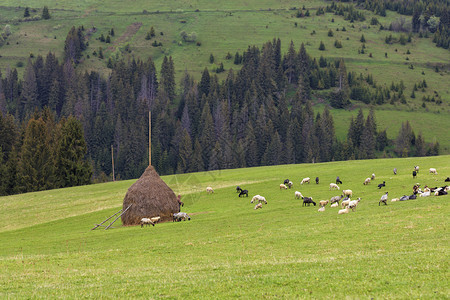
(228, 249)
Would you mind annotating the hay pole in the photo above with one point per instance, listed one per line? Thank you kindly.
(118, 216)
(149, 138)
(106, 220)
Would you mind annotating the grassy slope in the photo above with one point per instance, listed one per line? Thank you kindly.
(250, 23)
(230, 250)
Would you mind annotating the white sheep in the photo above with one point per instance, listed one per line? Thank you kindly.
(367, 181)
(323, 202)
(259, 205)
(345, 203)
(209, 190)
(283, 187)
(321, 209)
(373, 176)
(146, 221)
(353, 204)
(305, 180)
(335, 204)
(258, 198)
(298, 195)
(433, 171)
(416, 168)
(155, 219)
(334, 186)
(343, 211)
(348, 193)
(425, 194)
(290, 184)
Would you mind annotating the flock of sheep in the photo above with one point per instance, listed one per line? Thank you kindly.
(347, 204)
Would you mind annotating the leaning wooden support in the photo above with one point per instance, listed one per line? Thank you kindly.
(118, 216)
(97, 225)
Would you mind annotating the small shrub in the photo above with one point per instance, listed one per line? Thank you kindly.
(321, 46)
(19, 64)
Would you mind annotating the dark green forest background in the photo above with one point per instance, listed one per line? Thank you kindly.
(58, 126)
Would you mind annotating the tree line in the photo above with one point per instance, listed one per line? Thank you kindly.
(246, 120)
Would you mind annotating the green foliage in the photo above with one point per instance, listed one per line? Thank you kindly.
(45, 13)
(321, 46)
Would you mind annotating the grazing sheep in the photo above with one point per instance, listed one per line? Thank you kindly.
(373, 176)
(321, 209)
(290, 184)
(259, 205)
(243, 192)
(181, 216)
(334, 205)
(333, 186)
(367, 181)
(395, 171)
(155, 219)
(338, 181)
(414, 174)
(286, 181)
(238, 189)
(317, 180)
(283, 187)
(382, 184)
(353, 204)
(416, 168)
(209, 190)
(383, 199)
(298, 195)
(258, 198)
(343, 211)
(305, 180)
(323, 202)
(146, 221)
(336, 199)
(345, 203)
(348, 193)
(447, 179)
(433, 171)
(308, 200)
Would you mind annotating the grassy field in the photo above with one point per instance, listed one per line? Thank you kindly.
(398, 251)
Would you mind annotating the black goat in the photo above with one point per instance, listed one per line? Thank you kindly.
(338, 180)
(317, 180)
(447, 179)
(382, 184)
(238, 189)
(286, 181)
(308, 200)
(414, 174)
(243, 192)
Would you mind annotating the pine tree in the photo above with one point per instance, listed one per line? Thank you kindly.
(321, 46)
(368, 142)
(420, 146)
(45, 13)
(185, 154)
(29, 95)
(72, 167)
(197, 159)
(204, 85)
(3, 174)
(26, 13)
(167, 80)
(207, 136)
(403, 141)
(36, 165)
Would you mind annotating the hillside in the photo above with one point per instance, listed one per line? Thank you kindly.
(154, 56)
(230, 250)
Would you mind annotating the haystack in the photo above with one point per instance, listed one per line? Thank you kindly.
(150, 197)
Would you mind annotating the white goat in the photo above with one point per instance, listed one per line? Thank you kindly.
(334, 186)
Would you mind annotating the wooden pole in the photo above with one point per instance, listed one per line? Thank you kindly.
(118, 217)
(112, 158)
(149, 138)
(106, 220)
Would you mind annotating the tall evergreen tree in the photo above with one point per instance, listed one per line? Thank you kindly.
(72, 167)
(185, 153)
(420, 146)
(167, 80)
(29, 93)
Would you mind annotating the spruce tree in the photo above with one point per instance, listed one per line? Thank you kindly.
(185, 153)
(73, 169)
(45, 13)
(197, 159)
(420, 146)
(36, 164)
